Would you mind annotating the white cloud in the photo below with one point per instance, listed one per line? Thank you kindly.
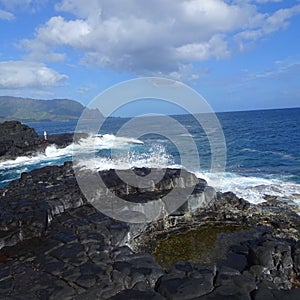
(271, 23)
(280, 19)
(24, 74)
(56, 32)
(158, 36)
(216, 47)
(83, 89)
(280, 68)
(5, 15)
(185, 73)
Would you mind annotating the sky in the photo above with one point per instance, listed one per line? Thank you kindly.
(238, 54)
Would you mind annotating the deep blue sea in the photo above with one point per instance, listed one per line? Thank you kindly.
(263, 151)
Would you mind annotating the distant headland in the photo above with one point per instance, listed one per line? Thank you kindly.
(34, 110)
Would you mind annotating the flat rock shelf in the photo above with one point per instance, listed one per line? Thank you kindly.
(56, 245)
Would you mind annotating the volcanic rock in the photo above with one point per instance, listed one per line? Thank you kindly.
(17, 139)
(56, 245)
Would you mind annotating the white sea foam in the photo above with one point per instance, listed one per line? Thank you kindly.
(254, 189)
(86, 145)
(156, 157)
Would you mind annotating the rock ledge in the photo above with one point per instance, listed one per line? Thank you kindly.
(55, 245)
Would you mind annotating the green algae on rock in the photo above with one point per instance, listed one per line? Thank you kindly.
(204, 244)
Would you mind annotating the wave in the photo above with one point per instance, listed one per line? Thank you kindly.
(11, 169)
(85, 145)
(255, 189)
(95, 143)
(156, 157)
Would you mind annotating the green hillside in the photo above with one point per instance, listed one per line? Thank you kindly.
(27, 109)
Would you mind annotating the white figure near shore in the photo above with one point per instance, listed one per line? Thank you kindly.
(45, 135)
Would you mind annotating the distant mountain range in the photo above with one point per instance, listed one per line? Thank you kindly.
(30, 110)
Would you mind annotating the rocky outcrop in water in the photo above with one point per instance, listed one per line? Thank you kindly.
(17, 139)
(55, 245)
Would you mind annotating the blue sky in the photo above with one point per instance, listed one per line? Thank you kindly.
(239, 55)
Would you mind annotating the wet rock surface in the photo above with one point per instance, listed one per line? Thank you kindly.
(55, 245)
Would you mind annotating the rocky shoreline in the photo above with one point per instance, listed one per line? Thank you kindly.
(55, 245)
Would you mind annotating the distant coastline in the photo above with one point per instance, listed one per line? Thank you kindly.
(37, 110)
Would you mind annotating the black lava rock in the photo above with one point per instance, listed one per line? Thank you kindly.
(17, 139)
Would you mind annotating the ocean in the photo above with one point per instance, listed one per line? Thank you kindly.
(262, 148)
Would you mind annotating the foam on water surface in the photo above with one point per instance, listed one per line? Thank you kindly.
(155, 157)
(11, 169)
(254, 189)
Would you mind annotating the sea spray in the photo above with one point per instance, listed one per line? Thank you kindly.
(155, 157)
(53, 155)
